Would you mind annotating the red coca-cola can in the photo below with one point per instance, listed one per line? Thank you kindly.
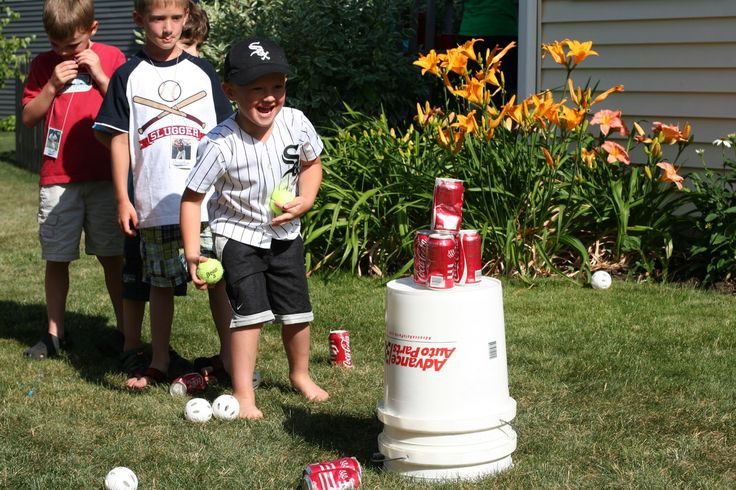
(337, 479)
(421, 244)
(340, 348)
(188, 384)
(447, 205)
(441, 261)
(346, 462)
(469, 263)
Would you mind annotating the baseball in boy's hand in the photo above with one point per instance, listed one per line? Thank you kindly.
(210, 271)
(279, 197)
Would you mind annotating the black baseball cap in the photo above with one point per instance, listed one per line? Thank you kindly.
(252, 58)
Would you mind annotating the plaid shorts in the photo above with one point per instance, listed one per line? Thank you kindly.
(162, 255)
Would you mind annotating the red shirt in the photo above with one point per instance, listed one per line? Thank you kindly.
(81, 158)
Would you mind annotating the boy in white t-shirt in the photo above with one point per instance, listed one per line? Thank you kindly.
(158, 106)
(264, 146)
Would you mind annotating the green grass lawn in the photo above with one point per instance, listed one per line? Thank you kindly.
(632, 387)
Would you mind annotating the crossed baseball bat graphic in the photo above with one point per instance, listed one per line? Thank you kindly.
(166, 110)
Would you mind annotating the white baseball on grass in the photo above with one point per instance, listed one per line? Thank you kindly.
(198, 410)
(121, 478)
(226, 407)
(600, 280)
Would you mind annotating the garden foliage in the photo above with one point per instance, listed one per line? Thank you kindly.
(549, 179)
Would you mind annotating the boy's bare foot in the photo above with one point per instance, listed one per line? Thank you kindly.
(309, 389)
(248, 409)
(148, 377)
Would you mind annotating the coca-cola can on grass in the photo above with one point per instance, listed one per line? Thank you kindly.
(421, 245)
(337, 479)
(188, 384)
(441, 261)
(447, 204)
(469, 263)
(340, 348)
(346, 462)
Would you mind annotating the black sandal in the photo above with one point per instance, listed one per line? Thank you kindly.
(48, 346)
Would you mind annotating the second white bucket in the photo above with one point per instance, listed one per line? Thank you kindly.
(446, 406)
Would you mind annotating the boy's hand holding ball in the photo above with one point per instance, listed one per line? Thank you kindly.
(279, 197)
(210, 271)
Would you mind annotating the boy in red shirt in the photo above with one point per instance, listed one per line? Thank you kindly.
(64, 89)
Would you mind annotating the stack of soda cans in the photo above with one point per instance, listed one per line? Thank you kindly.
(445, 255)
(339, 474)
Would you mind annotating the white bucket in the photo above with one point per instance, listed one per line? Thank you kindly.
(446, 406)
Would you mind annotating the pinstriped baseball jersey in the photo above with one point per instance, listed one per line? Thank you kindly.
(245, 171)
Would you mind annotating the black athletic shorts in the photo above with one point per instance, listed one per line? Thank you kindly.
(266, 285)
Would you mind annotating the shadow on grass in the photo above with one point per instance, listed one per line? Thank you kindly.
(348, 435)
(27, 322)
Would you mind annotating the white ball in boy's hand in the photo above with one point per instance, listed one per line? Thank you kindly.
(198, 410)
(600, 280)
(226, 407)
(121, 478)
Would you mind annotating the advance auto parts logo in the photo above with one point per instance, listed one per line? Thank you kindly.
(417, 357)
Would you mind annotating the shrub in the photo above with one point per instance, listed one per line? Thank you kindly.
(343, 52)
(712, 251)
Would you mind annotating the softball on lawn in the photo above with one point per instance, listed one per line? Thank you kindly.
(600, 280)
(198, 410)
(226, 407)
(121, 478)
(210, 271)
(279, 197)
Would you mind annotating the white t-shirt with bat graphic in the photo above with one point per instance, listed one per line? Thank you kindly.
(166, 108)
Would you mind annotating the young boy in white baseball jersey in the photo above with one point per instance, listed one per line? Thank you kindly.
(263, 147)
(158, 106)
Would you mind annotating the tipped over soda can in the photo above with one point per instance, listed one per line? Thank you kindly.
(340, 348)
(188, 384)
(343, 473)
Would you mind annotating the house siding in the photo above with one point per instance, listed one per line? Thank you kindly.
(116, 27)
(675, 58)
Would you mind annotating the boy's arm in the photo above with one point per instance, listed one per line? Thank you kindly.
(189, 220)
(35, 109)
(310, 179)
(120, 155)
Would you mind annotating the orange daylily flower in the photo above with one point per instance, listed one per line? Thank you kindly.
(493, 123)
(569, 118)
(429, 63)
(671, 134)
(468, 50)
(500, 54)
(604, 95)
(489, 76)
(670, 174)
(588, 157)
(455, 61)
(579, 51)
(450, 139)
(466, 124)
(616, 153)
(473, 91)
(556, 50)
(609, 120)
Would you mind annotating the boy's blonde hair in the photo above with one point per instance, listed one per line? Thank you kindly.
(143, 6)
(63, 18)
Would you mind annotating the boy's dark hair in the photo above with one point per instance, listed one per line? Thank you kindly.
(197, 27)
(63, 18)
(142, 6)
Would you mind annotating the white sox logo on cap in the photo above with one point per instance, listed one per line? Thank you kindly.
(258, 50)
